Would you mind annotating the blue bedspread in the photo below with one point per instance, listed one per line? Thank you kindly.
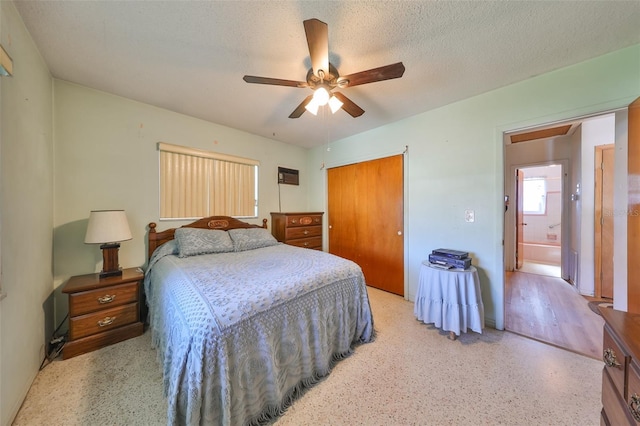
(239, 335)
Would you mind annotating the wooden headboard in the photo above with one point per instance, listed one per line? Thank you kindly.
(223, 223)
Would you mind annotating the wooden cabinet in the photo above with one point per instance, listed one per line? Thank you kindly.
(103, 311)
(621, 373)
(298, 229)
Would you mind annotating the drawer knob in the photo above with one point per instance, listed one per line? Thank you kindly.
(634, 406)
(306, 244)
(107, 298)
(294, 221)
(609, 357)
(305, 232)
(106, 321)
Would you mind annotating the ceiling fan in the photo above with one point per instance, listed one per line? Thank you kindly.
(323, 78)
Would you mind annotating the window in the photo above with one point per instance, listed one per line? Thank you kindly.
(196, 183)
(534, 197)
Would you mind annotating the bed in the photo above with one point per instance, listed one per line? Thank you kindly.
(242, 324)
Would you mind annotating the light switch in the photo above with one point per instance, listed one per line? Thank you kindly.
(469, 216)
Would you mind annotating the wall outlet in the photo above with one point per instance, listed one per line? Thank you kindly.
(469, 216)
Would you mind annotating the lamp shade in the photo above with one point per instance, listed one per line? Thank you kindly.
(107, 226)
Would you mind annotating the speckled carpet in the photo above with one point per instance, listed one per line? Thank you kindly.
(411, 375)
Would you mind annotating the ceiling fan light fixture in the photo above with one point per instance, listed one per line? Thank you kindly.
(323, 76)
(321, 96)
(335, 104)
(312, 106)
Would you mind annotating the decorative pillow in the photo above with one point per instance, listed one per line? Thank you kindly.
(194, 241)
(251, 238)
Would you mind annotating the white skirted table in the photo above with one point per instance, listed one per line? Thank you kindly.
(450, 299)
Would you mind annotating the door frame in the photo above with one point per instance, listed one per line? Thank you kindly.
(519, 222)
(598, 213)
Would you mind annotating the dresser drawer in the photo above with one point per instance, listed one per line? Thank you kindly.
(633, 397)
(615, 360)
(303, 232)
(615, 412)
(102, 298)
(107, 319)
(304, 219)
(313, 242)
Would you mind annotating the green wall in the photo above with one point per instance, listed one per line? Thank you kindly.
(107, 158)
(26, 213)
(455, 160)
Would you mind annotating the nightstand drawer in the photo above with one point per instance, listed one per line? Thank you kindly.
(102, 298)
(103, 320)
(303, 232)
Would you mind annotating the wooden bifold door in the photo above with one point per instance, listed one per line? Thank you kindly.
(366, 219)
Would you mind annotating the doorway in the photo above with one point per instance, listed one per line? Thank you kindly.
(539, 219)
(569, 146)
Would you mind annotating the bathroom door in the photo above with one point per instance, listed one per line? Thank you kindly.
(519, 218)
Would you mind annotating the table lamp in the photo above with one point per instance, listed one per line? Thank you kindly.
(108, 228)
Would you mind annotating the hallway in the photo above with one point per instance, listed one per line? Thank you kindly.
(550, 310)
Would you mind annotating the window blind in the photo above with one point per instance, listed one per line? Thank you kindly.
(196, 183)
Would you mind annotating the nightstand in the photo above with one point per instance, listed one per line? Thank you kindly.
(103, 311)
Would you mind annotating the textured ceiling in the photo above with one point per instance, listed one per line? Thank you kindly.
(190, 56)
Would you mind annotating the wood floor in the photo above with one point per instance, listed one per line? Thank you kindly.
(551, 310)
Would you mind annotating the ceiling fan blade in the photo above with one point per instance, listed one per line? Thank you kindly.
(318, 42)
(376, 74)
(300, 109)
(348, 105)
(274, 81)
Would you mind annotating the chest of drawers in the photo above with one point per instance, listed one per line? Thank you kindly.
(621, 373)
(103, 311)
(298, 229)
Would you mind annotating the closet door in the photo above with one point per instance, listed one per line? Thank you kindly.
(366, 219)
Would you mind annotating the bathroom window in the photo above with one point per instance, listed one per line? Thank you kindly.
(535, 196)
